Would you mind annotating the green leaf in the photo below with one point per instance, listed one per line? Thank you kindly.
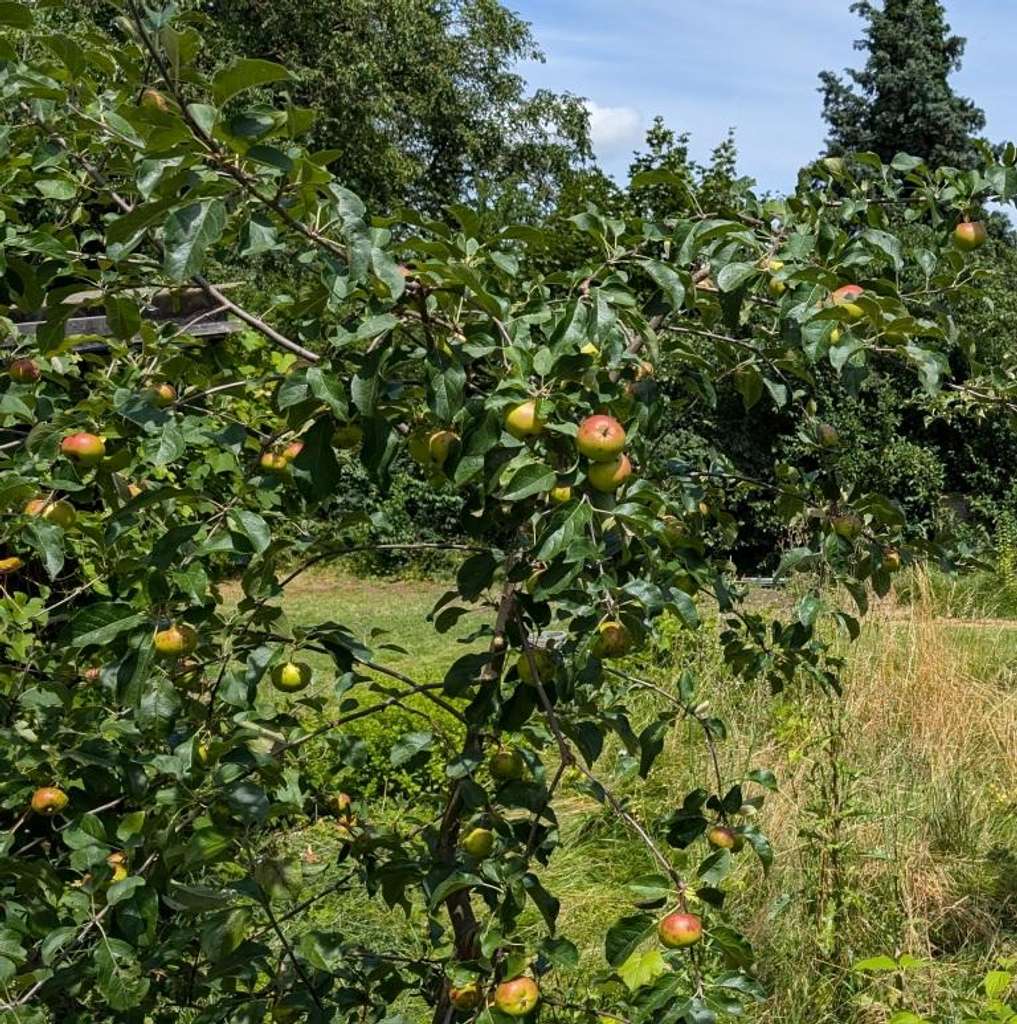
(253, 527)
(734, 275)
(642, 968)
(122, 890)
(533, 478)
(15, 15)
(246, 73)
(189, 233)
(409, 746)
(875, 964)
(625, 935)
(118, 975)
(668, 281)
(98, 624)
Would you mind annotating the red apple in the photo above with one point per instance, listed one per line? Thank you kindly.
(845, 298)
(969, 235)
(524, 420)
(607, 477)
(87, 449)
(679, 930)
(24, 371)
(517, 997)
(601, 438)
(49, 800)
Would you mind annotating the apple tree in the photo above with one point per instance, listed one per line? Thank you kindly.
(160, 492)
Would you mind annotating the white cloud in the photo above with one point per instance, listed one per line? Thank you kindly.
(614, 129)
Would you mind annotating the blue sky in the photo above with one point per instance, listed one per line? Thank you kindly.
(707, 65)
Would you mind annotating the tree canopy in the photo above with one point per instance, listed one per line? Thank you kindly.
(901, 100)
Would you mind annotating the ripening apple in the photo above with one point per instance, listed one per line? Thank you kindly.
(154, 100)
(507, 764)
(835, 335)
(678, 930)
(118, 862)
(591, 350)
(479, 843)
(720, 837)
(163, 395)
(560, 494)
(847, 525)
(846, 297)
(348, 436)
(524, 420)
(10, 564)
(827, 435)
(776, 287)
(275, 463)
(59, 513)
(49, 800)
(86, 449)
(291, 676)
(340, 804)
(600, 438)
(432, 449)
(517, 997)
(176, 640)
(969, 235)
(466, 997)
(23, 370)
(544, 661)
(613, 641)
(607, 477)
(92, 674)
(891, 559)
(292, 450)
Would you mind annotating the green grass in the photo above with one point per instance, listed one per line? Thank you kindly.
(918, 858)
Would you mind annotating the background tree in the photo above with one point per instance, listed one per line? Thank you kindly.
(901, 101)
(419, 102)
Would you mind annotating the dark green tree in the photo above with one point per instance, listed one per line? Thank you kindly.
(419, 99)
(901, 100)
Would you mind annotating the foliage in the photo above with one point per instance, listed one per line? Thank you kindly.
(901, 100)
(417, 102)
(172, 719)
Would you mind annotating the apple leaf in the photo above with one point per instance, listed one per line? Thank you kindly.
(247, 73)
(625, 935)
(642, 968)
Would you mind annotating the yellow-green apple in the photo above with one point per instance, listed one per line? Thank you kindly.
(607, 477)
(847, 525)
(600, 438)
(678, 930)
(60, 513)
(465, 997)
(85, 448)
(154, 100)
(544, 662)
(506, 764)
(517, 997)
(560, 494)
(163, 394)
(613, 640)
(23, 370)
(891, 559)
(275, 463)
(9, 564)
(969, 235)
(176, 640)
(846, 298)
(827, 435)
(479, 843)
(524, 420)
(720, 837)
(49, 800)
(291, 676)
